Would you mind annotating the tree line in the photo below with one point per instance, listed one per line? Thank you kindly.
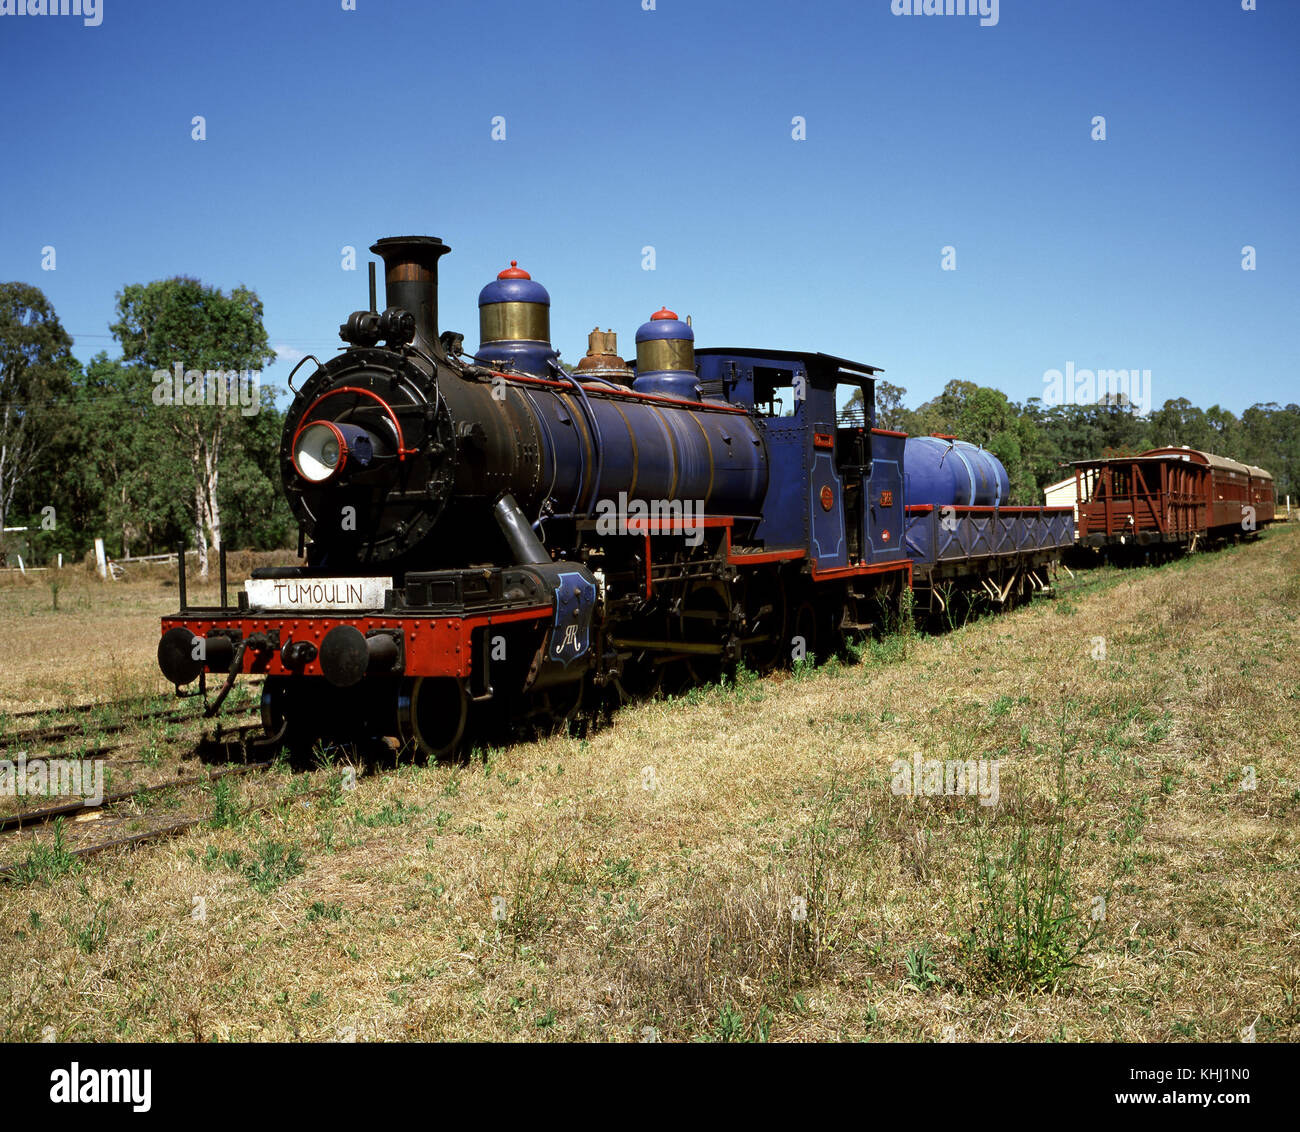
(1037, 442)
(109, 449)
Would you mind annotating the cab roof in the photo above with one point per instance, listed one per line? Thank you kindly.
(813, 360)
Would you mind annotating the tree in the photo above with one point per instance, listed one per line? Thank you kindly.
(122, 464)
(890, 412)
(852, 408)
(114, 465)
(194, 339)
(253, 508)
(1270, 438)
(35, 361)
(1225, 428)
(1178, 422)
(985, 416)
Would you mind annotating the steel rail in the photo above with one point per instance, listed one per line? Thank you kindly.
(48, 813)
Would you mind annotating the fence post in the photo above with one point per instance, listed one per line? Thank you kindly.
(100, 563)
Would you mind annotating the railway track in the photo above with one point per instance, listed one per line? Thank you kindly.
(159, 833)
(27, 818)
(19, 829)
(83, 709)
(58, 732)
(126, 704)
(79, 810)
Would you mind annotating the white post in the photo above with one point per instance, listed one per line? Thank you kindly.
(100, 564)
(21, 569)
(60, 560)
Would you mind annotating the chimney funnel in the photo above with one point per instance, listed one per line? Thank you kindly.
(411, 282)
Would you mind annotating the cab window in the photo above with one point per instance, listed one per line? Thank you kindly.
(775, 391)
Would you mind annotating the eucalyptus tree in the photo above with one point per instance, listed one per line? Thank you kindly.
(205, 350)
(35, 365)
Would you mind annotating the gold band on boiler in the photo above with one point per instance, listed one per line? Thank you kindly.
(514, 322)
(665, 353)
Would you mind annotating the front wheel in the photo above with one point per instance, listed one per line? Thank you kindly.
(287, 707)
(431, 714)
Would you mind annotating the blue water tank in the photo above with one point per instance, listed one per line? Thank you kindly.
(944, 472)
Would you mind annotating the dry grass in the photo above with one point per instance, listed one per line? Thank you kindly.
(99, 644)
(760, 880)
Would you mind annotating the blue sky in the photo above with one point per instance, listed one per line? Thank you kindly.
(672, 128)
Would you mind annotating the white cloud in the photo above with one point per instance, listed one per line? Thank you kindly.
(288, 354)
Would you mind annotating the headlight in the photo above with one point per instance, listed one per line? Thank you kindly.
(319, 451)
(322, 449)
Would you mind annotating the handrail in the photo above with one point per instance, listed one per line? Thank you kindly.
(596, 438)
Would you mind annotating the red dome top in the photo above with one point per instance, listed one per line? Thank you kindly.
(662, 313)
(514, 271)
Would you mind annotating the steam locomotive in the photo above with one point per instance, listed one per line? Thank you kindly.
(492, 539)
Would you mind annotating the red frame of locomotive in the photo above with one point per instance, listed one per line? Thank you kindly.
(439, 644)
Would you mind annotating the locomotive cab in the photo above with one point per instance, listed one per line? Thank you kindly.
(835, 487)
